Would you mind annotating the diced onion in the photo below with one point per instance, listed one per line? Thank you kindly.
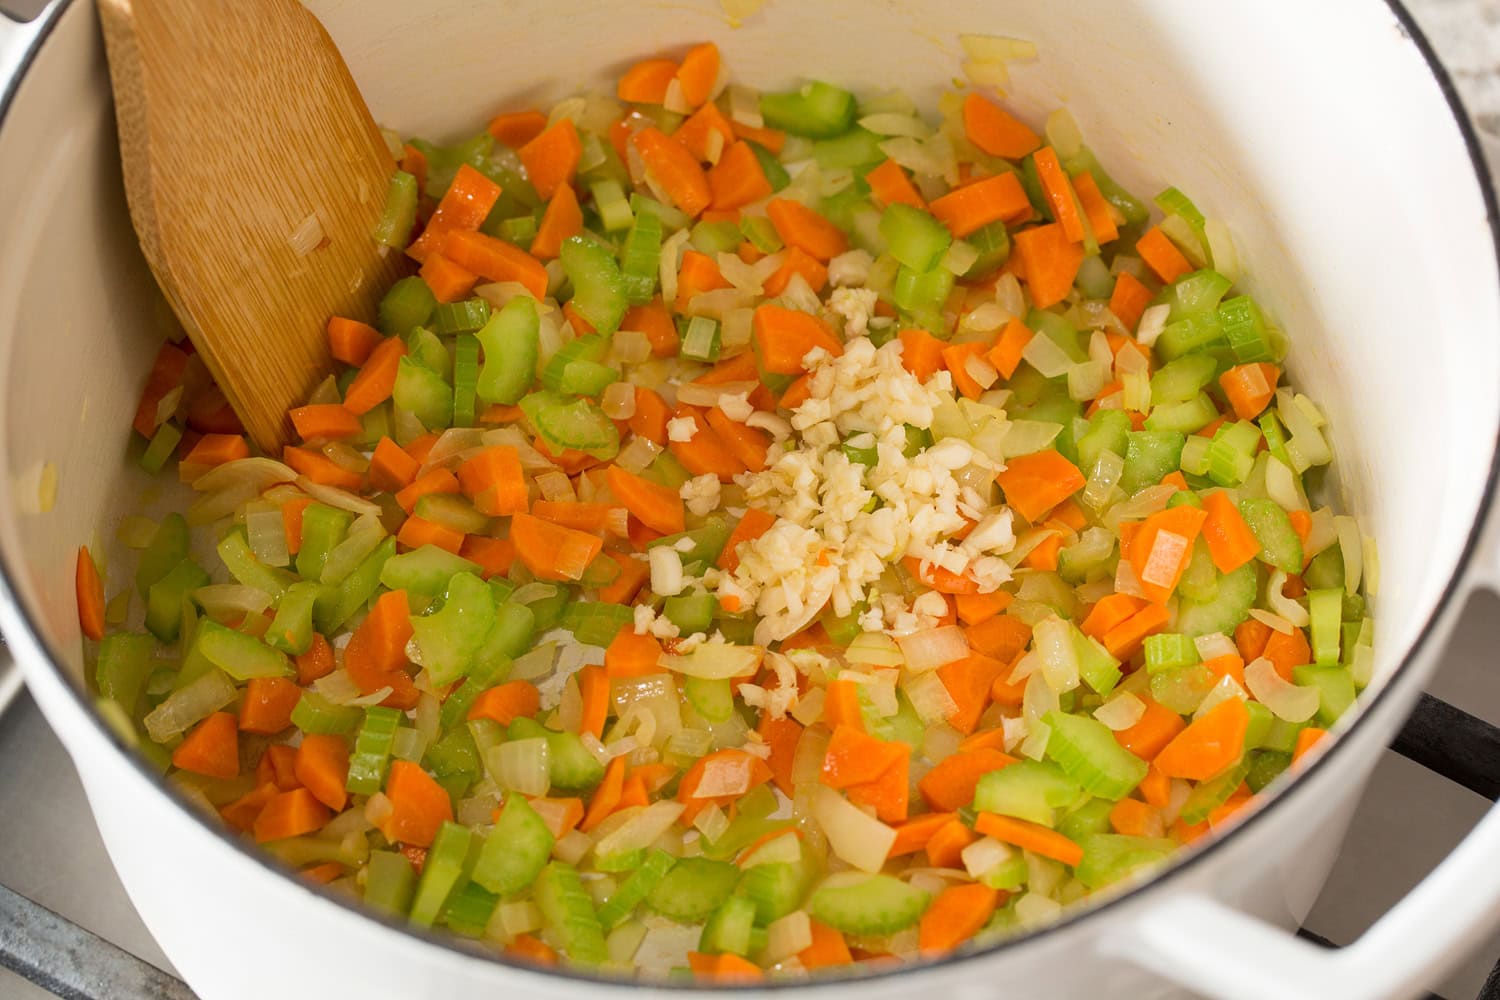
(666, 570)
(1226, 689)
(638, 454)
(891, 123)
(190, 705)
(1121, 712)
(1025, 437)
(876, 649)
(571, 847)
(930, 698)
(788, 936)
(1043, 354)
(265, 529)
(259, 473)
(715, 660)
(306, 237)
(1054, 641)
(642, 829)
(933, 648)
(1290, 609)
(1352, 549)
(1214, 645)
(1286, 701)
(335, 497)
(997, 48)
(223, 600)
(518, 918)
(1153, 322)
(984, 856)
(711, 822)
(861, 840)
(1281, 486)
(520, 766)
(1034, 909)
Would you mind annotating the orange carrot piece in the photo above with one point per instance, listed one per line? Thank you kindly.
(632, 655)
(724, 968)
(955, 916)
(891, 185)
(841, 705)
(921, 353)
(550, 551)
(1250, 388)
(319, 420)
(89, 589)
(1250, 637)
(772, 139)
(463, 207)
(1044, 556)
(1034, 484)
(708, 135)
(1131, 817)
(438, 480)
(956, 360)
(494, 480)
(532, 949)
(749, 444)
(418, 531)
(505, 703)
(562, 219)
(606, 797)
(1051, 261)
(674, 168)
(1287, 651)
(1156, 788)
(995, 130)
(316, 662)
(797, 261)
(1006, 354)
(975, 608)
(323, 766)
(1161, 548)
(1230, 541)
(593, 687)
(706, 452)
(1228, 665)
(783, 337)
(552, 157)
(351, 341)
(800, 226)
(267, 705)
(750, 527)
(448, 281)
(698, 73)
(1209, 745)
(646, 82)
(516, 128)
(655, 322)
(242, 812)
(1030, 837)
(1058, 191)
(212, 748)
(496, 260)
(969, 681)
(939, 579)
(1001, 637)
(419, 805)
(945, 845)
(782, 736)
(290, 814)
(699, 273)
(166, 374)
(591, 517)
(658, 507)
(1108, 612)
(493, 555)
(950, 785)
(855, 758)
(1095, 208)
(1307, 738)
(278, 765)
(376, 378)
(737, 179)
(628, 582)
(376, 654)
(828, 948)
(320, 469)
(215, 449)
(1129, 299)
(633, 794)
(974, 206)
(391, 468)
(914, 834)
(1124, 640)
(1161, 255)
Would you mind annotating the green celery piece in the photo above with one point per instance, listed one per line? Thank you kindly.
(1110, 857)
(633, 891)
(1265, 767)
(390, 881)
(761, 233)
(1209, 795)
(467, 316)
(1325, 609)
(1109, 430)
(595, 623)
(508, 638)
(424, 393)
(923, 294)
(589, 347)
(568, 913)
(1326, 570)
(599, 574)
(1335, 689)
(712, 699)
(426, 349)
(1259, 724)
(425, 570)
(779, 178)
(880, 904)
(162, 446)
(574, 769)
(455, 756)
(291, 631)
(1281, 736)
(168, 547)
(598, 288)
(1150, 455)
(1200, 581)
(442, 872)
(728, 930)
(708, 540)
(843, 629)
(817, 110)
(453, 510)
(510, 339)
(548, 611)
(1134, 210)
(443, 161)
(1245, 329)
(1028, 789)
(234, 552)
(700, 342)
(314, 713)
(576, 424)
(450, 637)
(515, 851)
(372, 750)
(993, 243)
(1090, 818)
(640, 258)
(1195, 294)
(693, 889)
(1186, 418)
(465, 379)
(914, 237)
(338, 605)
(691, 612)
(239, 655)
(587, 378)
(1096, 666)
(855, 148)
(1169, 650)
(323, 527)
(623, 861)
(776, 887)
(869, 457)
(124, 663)
(364, 535)
(670, 217)
(166, 597)
(1010, 874)
(1279, 545)
(469, 909)
(612, 205)
(715, 237)
(1088, 753)
(408, 305)
(1183, 689)
(1190, 335)
(1231, 454)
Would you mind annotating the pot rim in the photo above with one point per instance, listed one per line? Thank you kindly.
(1187, 860)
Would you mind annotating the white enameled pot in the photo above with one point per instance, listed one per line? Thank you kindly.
(1323, 133)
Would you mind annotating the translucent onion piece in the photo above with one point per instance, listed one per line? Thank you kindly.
(1215, 644)
(984, 856)
(642, 829)
(1275, 622)
(555, 485)
(1287, 607)
(860, 840)
(1281, 486)
(933, 648)
(223, 600)
(266, 531)
(1153, 322)
(1043, 354)
(1121, 712)
(520, 766)
(335, 497)
(1054, 641)
(1286, 701)
(618, 401)
(1351, 547)
(691, 742)
(930, 698)
(876, 649)
(788, 936)
(892, 123)
(190, 705)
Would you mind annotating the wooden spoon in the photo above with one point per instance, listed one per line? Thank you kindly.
(242, 133)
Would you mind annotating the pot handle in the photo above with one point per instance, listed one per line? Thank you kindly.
(1213, 949)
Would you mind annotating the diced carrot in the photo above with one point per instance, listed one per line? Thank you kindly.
(593, 688)
(796, 261)
(212, 748)
(707, 134)
(1034, 484)
(532, 949)
(376, 378)
(1124, 640)
(351, 341)
(914, 834)
(724, 968)
(242, 812)
(1131, 817)
(1230, 541)
(494, 481)
(659, 507)
(890, 185)
(749, 444)
(211, 450)
(1161, 255)
(319, 420)
(1044, 556)
(550, 551)
(278, 765)
(1000, 636)
(975, 608)
(828, 948)
(800, 226)
(606, 796)
(955, 916)
(1162, 547)
(699, 273)
(320, 469)
(1006, 354)
(632, 655)
(493, 555)
(448, 281)
(755, 773)
(1096, 209)
(705, 452)
(1287, 651)
(945, 845)
(699, 73)
(1250, 388)
(1228, 665)
(956, 360)
(969, 681)
(496, 260)
(290, 814)
(750, 527)
(1209, 745)
(562, 219)
(1129, 299)
(1250, 637)
(552, 157)
(391, 468)
(507, 702)
(1307, 738)
(419, 805)
(89, 590)
(1029, 836)
(628, 581)
(737, 179)
(995, 130)
(841, 705)
(921, 353)
(783, 337)
(974, 206)
(376, 654)
(1051, 261)
(316, 662)
(516, 128)
(673, 166)
(438, 480)
(646, 82)
(1156, 788)
(323, 767)
(166, 374)
(655, 322)
(1058, 191)
(418, 531)
(267, 705)
(950, 785)
(464, 206)
(942, 580)
(782, 736)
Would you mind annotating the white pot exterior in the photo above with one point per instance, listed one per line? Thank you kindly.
(1280, 117)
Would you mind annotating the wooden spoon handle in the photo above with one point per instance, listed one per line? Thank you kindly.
(242, 133)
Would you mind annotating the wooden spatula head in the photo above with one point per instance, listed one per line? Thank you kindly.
(239, 122)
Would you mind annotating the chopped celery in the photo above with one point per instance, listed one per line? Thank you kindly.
(634, 890)
(693, 889)
(424, 393)
(516, 849)
(573, 767)
(1088, 753)
(1245, 329)
(701, 340)
(1197, 332)
(1083, 159)
(1182, 689)
(596, 623)
(125, 661)
(239, 655)
(761, 233)
(715, 237)
(1265, 767)
(316, 714)
(598, 288)
(1090, 818)
(623, 861)
(1169, 650)
(914, 237)
(922, 294)
(337, 606)
(857, 147)
(1186, 417)
(878, 904)
(1109, 430)
(425, 571)
(1326, 570)
(166, 597)
(576, 424)
(728, 929)
(588, 348)
(547, 611)
(1275, 436)
(425, 348)
(442, 872)
(568, 913)
(465, 379)
(467, 316)
(291, 631)
(372, 750)
(1259, 724)
(1183, 379)
(1110, 857)
(1028, 789)
(234, 553)
(612, 205)
(510, 340)
(407, 305)
(469, 909)
(640, 258)
(1231, 454)
(168, 547)
(520, 230)
(708, 540)
(1325, 609)
(162, 446)
(1335, 690)
(993, 243)
(711, 698)
(1209, 795)
(1150, 455)
(1196, 294)
(817, 110)
(1097, 668)
(323, 527)
(1281, 736)
(390, 881)
(488, 670)
(455, 511)
(1279, 544)
(449, 638)
(691, 612)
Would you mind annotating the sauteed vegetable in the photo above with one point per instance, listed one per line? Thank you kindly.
(768, 532)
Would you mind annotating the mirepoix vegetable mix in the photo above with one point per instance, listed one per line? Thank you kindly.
(768, 532)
